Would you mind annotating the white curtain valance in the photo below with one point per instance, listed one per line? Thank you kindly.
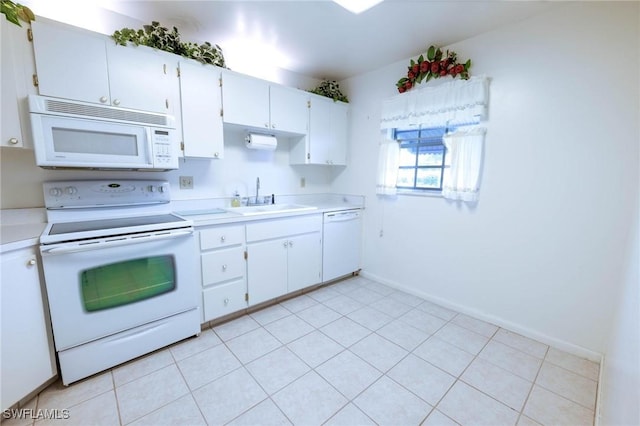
(450, 103)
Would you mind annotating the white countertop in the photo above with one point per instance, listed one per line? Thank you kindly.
(21, 228)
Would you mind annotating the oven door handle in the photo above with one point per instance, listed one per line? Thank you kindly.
(75, 248)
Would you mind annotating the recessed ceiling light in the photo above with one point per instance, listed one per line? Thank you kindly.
(357, 6)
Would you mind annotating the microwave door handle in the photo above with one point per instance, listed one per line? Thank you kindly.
(64, 249)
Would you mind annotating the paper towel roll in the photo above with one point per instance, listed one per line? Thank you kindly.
(264, 142)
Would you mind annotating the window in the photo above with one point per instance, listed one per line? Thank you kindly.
(424, 162)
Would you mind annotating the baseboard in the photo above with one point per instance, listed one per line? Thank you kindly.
(500, 322)
(598, 412)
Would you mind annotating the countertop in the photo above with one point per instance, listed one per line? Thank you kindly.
(21, 228)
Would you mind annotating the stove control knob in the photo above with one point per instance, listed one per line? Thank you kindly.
(71, 190)
(161, 188)
(56, 192)
(151, 188)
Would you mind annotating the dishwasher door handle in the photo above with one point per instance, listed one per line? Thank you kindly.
(342, 216)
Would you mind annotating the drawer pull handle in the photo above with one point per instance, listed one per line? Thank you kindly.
(224, 267)
(222, 239)
(226, 301)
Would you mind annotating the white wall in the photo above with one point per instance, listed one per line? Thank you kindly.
(541, 251)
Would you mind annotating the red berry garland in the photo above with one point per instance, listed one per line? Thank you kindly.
(434, 66)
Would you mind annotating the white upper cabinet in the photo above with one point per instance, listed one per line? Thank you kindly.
(245, 100)
(326, 141)
(75, 64)
(201, 100)
(258, 104)
(289, 109)
(17, 71)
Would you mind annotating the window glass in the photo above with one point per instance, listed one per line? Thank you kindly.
(121, 283)
(423, 159)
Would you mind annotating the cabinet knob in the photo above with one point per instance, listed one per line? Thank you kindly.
(103, 99)
(31, 262)
(286, 244)
(273, 126)
(222, 239)
(116, 101)
(13, 141)
(290, 243)
(226, 301)
(216, 154)
(266, 125)
(224, 267)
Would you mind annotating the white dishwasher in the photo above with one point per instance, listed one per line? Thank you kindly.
(342, 243)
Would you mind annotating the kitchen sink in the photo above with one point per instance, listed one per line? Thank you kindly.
(269, 208)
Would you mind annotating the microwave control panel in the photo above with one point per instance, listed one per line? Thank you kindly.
(164, 149)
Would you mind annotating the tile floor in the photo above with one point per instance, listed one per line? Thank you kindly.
(353, 353)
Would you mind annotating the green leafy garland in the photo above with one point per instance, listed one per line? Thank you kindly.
(434, 66)
(161, 38)
(330, 89)
(15, 12)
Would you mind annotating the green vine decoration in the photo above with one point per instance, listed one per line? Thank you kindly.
(437, 64)
(330, 89)
(15, 12)
(161, 38)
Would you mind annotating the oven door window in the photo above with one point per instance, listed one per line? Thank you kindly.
(122, 283)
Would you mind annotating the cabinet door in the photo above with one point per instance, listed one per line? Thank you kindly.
(245, 100)
(201, 100)
(70, 64)
(320, 133)
(223, 299)
(266, 270)
(289, 110)
(27, 349)
(140, 78)
(304, 261)
(340, 134)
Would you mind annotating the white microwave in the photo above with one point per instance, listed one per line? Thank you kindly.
(70, 134)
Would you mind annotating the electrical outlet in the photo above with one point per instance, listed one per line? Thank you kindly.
(303, 182)
(186, 182)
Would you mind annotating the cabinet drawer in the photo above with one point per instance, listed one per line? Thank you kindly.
(222, 265)
(224, 299)
(279, 228)
(222, 236)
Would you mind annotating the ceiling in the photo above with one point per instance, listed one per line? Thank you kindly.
(320, 39)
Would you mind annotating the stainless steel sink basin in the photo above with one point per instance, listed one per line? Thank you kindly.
(269, 208)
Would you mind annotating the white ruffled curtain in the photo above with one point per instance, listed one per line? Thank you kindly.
(464, 147)
(451, 103)
(388, 162)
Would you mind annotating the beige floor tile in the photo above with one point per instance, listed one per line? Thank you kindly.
(318, 315)
(58, 396)
(581, 366)
(253, 345)
(315, 348)
(364, 295)
(524, 344)
(277, 369)
(343, 304)
(437, 310)
(21, 416)
(466, 340)
(236, 327)
(345, 331)
(193, 345)
(403, 335)
(568, 384)
(349, 374)
(526, 421)
(299, 303)
(142, 366)
(207, 366)
(270, 314)
(421, 378)
(289, 328)
(513, 360)
(264, 414)
(310, 400)
(99, 410)
(378, 288)
(323, 294)
(406, 298)
(436, 418)
(370, 318)
(548, 408)
(444, 355)
(228, 397)
(388, 403)
(469, 406)
(475, 325)
(379, 352)
(350, 416)
(182, 411)
(391, 307)
(423, 321)
(148, 393)
(347, 286)
(498, 383)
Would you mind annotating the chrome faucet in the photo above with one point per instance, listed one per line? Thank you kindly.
(257, 188)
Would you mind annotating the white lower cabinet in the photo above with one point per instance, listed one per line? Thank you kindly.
(284, 255)
(223, 268)
(27, 354)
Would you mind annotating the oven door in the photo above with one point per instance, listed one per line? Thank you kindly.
(104, 286)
